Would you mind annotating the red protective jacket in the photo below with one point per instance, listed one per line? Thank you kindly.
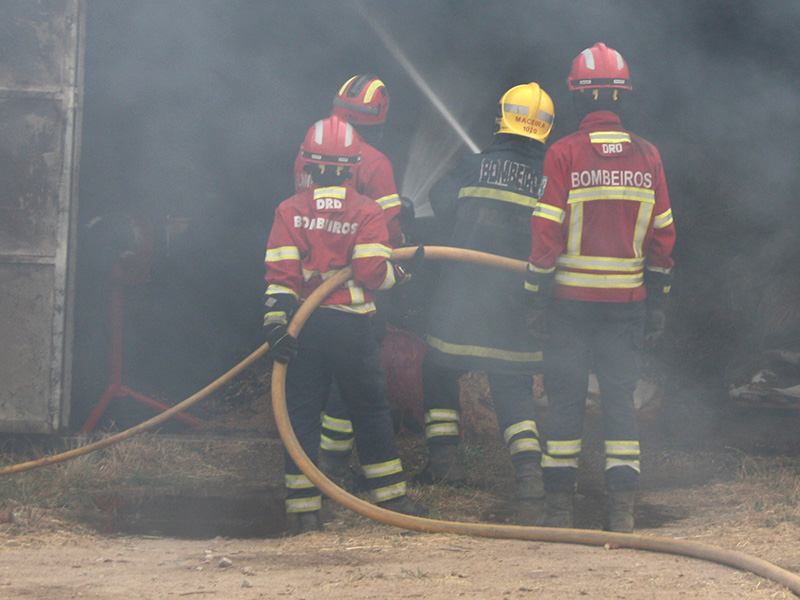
(605, 214)
(321, 230)
(375, 179)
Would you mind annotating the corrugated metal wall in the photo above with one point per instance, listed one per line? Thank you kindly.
(40, 81)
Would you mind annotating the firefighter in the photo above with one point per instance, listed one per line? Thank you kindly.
(362, 101)
(602, 235)
(322, 229)
(477, 316)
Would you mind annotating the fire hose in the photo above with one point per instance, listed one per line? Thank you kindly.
(708, 552)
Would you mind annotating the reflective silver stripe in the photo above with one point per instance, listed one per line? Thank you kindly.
(501, 195)
(554, 462)
(441, 414)
(297, 482)
(282, 253)
(356, 309)
(588, 57)
(663, 220)
(390, 467)
(327, 443)
(575, 234)
(356, 293)
(551, 213)
(664, 270)
(371, 250)
(390, 491)
(563, 447)
(389, 201)
(388, 281)
(334, 424)
(609, 137)
(619, 462)
(274, 288)
(642, 225)
(545, 116)
(519, 428)
(599, 281)
(298, 505)
(524, 445)
(330, 192)
(535, 269)
(600, 263)
(611, 192)
(482, 351)
(625, 447)
(516, 109)
(438, 429)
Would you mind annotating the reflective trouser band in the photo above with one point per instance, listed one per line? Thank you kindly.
(390, 467)
(297, 482)
(562, 453)
(525, 444)
(334, 424)
(332, 445)
(388, 492)
(623, 453)
(441, 422)
(298, 505)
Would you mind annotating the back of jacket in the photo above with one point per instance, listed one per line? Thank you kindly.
(485, 204)
(321, 230)
(605, 214)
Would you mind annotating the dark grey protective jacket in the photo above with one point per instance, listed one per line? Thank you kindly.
(476, 321)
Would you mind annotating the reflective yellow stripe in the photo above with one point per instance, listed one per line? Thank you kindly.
(337, 192)
(575, 233)
(611, 192)
(663, 220)
(482, 352)
(609, 137)
(356, 309)
(554, 462)
(390, 491)
(438, 429)
(500, 195)
(600, 263)
(522, 426)
(563, 447)
(551, 213)
(441, 414)
(642, 225)
(298, 505)
(297, 482)
(371, 89)
(334, 424)
(371, 250)
(389, 201)
(626, 447)
(276, 317)
(390, 467)
(524, 445)
(620, 462)
(599, 281)
(535, 269)
(282, 253)
(389, 280)
(280, 289)
(327, 443)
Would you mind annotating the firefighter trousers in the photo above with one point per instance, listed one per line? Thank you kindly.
(341, 347)
(512, 395)
(609, 338)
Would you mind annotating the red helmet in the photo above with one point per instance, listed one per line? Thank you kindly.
(362, 100)
(599, 67)
(331, 141)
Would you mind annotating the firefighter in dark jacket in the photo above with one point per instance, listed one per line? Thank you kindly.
(315, 232)
(602, 235)
(476, 322)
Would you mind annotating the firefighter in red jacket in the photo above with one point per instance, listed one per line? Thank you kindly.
(602, 235)
(362, 101)
(320, 230)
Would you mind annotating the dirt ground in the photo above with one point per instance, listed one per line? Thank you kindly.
(729, 480)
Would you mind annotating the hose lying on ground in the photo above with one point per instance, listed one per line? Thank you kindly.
(326, 486)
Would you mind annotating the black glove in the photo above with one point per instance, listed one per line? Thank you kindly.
(536, 317)
(403, 272)
(655, 321)
(282, 345)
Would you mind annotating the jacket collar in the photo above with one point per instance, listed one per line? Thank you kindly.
(600, 118)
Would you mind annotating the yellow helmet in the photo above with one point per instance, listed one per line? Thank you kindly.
(526, 110)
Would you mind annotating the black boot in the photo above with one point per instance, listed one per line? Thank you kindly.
(407, 506)
(308, 522)
(530, 487)
(558, 509)
(619, 511)
(445, 465)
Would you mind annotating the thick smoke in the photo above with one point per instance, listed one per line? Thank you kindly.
(194, 109)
